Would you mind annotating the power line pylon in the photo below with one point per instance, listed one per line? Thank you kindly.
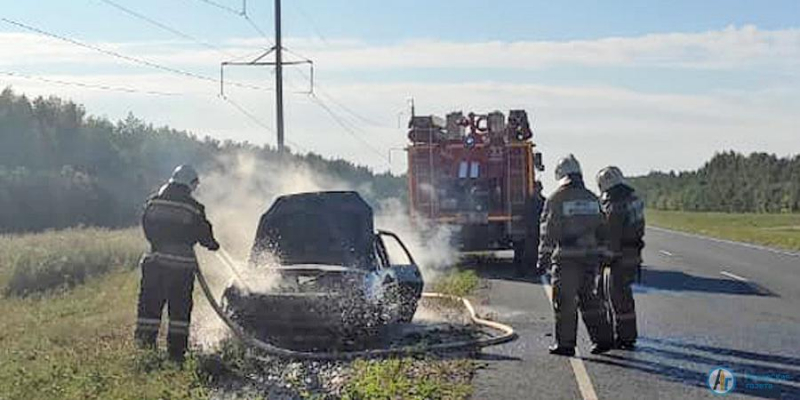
(279, 63)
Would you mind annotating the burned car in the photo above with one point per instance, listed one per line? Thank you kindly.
(334, 279)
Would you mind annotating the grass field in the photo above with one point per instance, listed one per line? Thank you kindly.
(776, 230)
(71, 337)
(36, 263)
(68, 309)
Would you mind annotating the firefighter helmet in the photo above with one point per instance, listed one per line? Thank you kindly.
(185, 175)
(609, 177)
(567, 166)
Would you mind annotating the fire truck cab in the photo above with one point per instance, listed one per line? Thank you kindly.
(475, 173)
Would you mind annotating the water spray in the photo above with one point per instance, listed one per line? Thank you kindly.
(224, 257)
(507, 333)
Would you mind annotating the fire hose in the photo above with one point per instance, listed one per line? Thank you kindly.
(507, 332)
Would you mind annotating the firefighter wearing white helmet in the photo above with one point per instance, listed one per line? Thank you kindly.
(624, 213)
(572, 247)
(173, 222)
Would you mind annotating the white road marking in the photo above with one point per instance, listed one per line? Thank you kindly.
(666, 253)
(748, 245)
(734, 276)
(578, 368)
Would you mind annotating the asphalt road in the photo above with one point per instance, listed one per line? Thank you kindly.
(702, 304)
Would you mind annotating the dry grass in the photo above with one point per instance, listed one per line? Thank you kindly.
(77, 343)
(36, 263)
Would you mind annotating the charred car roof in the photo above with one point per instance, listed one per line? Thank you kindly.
(330, 228)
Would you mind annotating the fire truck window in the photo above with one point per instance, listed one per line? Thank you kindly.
(462, 169)
(474, 170)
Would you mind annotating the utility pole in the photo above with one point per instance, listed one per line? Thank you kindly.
(278, 64)
(279, 76)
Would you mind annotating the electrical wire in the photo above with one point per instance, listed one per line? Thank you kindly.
(223, 7)
(166, 27)
(353, 126)
(301, 10)
(255, 26)
(234, 104)
(252, 117)
(132, 59)
(247, 113)
(333, 100)
(350, 110)
(240, 13)
(350, 130)
(88, 85)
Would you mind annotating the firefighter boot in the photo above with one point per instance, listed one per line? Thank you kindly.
(624, 312)
(180, 310)
(151, 302)
(565, 285)
(561, 350)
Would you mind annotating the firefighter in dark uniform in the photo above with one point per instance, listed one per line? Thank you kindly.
(532, 216)
(173, 223)
(573, 247)
(624, 212)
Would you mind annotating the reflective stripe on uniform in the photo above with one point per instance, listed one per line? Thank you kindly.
(580, 207)
(171, 260)
(179, 327)
(177, 204)
(148, 324)
(626, 316)
(582, 252)
(172, 257)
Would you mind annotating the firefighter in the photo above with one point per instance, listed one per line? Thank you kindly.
(572, 246)
(173, 222)
(624, 213)
(533, 213)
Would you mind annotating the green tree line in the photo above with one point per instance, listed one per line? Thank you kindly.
(60, 167)
(729, 182)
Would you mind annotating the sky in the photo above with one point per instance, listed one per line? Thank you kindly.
(645, 85)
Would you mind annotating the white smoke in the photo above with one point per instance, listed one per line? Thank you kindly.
(243, 186)
(431, 246)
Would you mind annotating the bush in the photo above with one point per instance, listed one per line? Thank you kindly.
(459, 283)
(32, 264)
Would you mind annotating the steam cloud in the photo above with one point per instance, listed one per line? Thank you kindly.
(243, 186)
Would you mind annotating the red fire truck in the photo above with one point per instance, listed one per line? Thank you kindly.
(475, 173)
